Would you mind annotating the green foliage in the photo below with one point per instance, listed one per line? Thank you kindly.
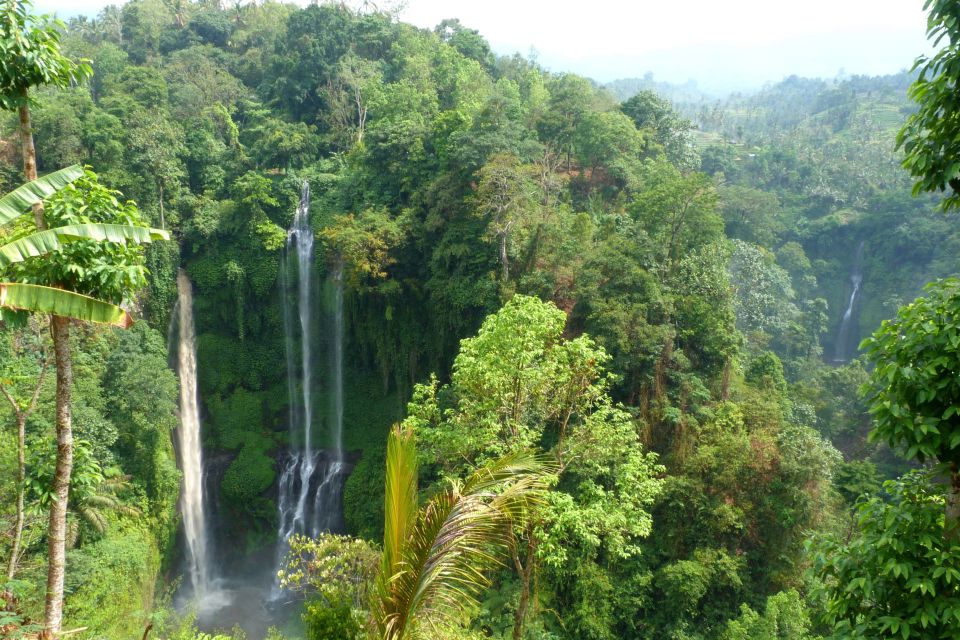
(248, 476)
(111, 581)
(105, 266)
(785, 618)
(447, 179)
(338, 569)
(913, 395)
(141, 399)
(897, 576)
(435, 558)
(930, 135)
(30, 54)
(330, 622)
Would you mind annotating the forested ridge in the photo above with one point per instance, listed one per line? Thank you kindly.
(618, 337)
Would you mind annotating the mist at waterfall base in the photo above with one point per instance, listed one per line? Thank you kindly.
(244, 591)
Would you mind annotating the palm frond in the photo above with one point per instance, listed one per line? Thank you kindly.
(455, 539)
(400, 494)
(400, 514)
(98, 501)
(19, 201)
(93, 517)
(32, 297)
(73, 532)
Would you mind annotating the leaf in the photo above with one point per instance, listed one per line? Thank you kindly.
(31, 297)
(43, 242)
(119, 233)
(25, 196)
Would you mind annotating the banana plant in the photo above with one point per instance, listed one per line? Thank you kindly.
(60, 302)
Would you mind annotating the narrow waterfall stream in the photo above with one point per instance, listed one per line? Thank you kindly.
(842, 351)
(311, 479)
(189, 446)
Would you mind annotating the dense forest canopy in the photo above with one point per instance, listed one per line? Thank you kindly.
(617, 329)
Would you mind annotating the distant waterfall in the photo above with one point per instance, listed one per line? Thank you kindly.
(188, 440)
(311, 480)
(842, 351)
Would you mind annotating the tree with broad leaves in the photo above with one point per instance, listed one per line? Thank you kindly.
(85, 243)
(931, 136)
(914, 391)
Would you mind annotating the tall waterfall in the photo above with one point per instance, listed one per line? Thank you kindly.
(188, 440)
(842, 351)
(311, 479)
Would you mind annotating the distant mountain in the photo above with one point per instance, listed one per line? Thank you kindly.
(626, 88)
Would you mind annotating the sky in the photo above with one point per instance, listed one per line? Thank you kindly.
(721, 44)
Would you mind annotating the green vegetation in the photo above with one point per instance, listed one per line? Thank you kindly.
(643, 298)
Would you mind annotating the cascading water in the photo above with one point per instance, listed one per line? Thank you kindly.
(326, 501)
(842, 351)
(311, 480)
(189, 448)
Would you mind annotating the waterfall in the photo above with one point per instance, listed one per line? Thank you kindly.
(311, 480)
(188, 440)
(326, 502)
(842, 351)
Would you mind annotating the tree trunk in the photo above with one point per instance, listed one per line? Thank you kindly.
(504, 259)
(525, 573)
(57, 533)
(951, 528)
(163, 224)
(22, 416)
(21, 475)
(29, 153)
(60, 329)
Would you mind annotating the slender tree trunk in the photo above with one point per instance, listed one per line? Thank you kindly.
(57, 533)
(504, 259)
(21, 475)
(60, 329)
(22, 416)
(29, 153)
(525, 573)
(951, 528)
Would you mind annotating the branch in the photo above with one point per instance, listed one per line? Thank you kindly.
(36, 390)
(13, 403)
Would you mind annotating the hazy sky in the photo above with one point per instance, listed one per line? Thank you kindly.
(720, 44)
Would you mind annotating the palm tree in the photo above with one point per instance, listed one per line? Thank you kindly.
(94, 491)
(435, 558)
(111, 21)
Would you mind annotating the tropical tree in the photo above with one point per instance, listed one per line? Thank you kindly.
(435, 559)
(29, 360)
(931, 136)
(504, 196)
(518, 386)
(914, 393)
(94, 491)
(86, 249)
(30, 57)
(895, 576)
